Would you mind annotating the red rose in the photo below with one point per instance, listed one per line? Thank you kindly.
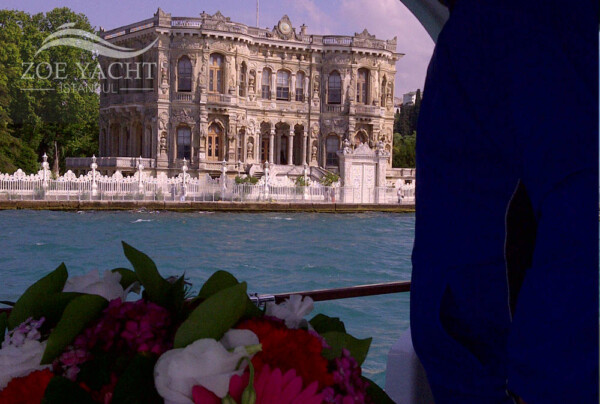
(287, 349)
(28, 389)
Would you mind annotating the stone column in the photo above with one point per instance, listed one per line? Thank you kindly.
(271, 145)
(293, 87)
(274, 85)
(304, 140)
(290, 156)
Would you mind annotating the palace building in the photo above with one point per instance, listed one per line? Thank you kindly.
(213, 90)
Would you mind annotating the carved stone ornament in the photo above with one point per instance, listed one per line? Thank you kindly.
(163, 143)
(250, 147)
(364, 35)
(163, 121)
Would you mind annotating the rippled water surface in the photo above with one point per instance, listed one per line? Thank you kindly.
(273, 252)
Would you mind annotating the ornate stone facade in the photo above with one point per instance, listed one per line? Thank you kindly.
(217, 90)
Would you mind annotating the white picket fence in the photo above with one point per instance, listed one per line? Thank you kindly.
(143, 187)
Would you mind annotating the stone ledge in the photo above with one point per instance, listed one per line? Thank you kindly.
(205, 206)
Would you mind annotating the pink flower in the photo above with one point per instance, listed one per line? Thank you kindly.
(271, 386)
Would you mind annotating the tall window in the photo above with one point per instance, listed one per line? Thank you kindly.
(332, 146)
(383, 88)
(334, 89)
(215, 78)
(266, 84)
(264, 148)
(214, 142)
(242, 87)
(184, 74)
(362, 86)
(283, 85)
(300, 87)
(184, 143)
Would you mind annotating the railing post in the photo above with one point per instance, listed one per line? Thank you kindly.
(94, 166)
(45, 169)
(266, 179)
(140, 167)
(223, 179)
(184, 168)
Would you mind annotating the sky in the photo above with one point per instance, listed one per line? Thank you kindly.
(384, 18)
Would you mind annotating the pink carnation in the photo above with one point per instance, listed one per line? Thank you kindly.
(271, 386)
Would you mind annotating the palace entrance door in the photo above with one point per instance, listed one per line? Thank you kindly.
(363, 183)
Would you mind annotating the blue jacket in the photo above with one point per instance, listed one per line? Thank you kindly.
(511, 97)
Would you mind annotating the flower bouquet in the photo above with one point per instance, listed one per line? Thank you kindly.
(80, 340)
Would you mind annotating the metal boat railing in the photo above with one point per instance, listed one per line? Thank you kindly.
(318, 295)
(337, 293)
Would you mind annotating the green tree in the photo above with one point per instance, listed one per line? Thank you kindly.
(55, 121)
(404, 150)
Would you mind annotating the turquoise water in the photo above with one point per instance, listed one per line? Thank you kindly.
(273, 252)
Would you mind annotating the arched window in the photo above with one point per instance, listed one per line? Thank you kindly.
(184, 143)
(215, 78)
(361, 137)
(184, 74)
(242, 87)
(214, 142)
(283, 85)
(266, 84)
(334, 89)
(332, 146)
(383, 88)
(362, 86)
(300, 87)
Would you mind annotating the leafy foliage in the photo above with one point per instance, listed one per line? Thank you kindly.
(214, 316)
(340, 340)
(33, 300)
(246, 180)
(329, 179)
(404, 150)
(301, 182)
(78, 313)
(405, 134)
(322, 324)
(32, 122)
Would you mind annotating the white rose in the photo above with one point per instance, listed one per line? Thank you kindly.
(108, 287)
(292, 311)
(205, 362)
(20, 361)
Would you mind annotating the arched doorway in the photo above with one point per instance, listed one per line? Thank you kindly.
(214, 143)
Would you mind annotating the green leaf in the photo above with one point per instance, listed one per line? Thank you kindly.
(136, 384)
(176, 295)
(32, 301)
(322, 324)
(77, 315)
(222, 280)
(155, 286)
(127, 277)
(376, 393)
(214, 316)
(53, 306)
(61, 390)
(3, 321)
(338, 340)
(218, 281)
